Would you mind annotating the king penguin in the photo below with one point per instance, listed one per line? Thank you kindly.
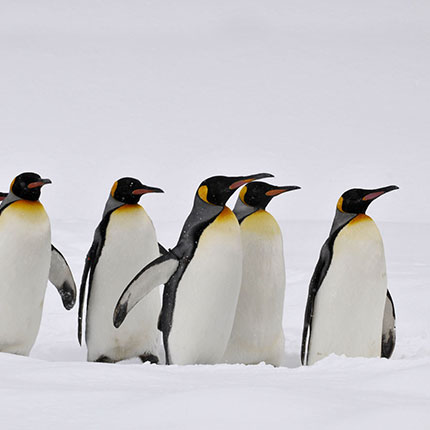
(27, 261)
(349, 309)
(202, 276)
(257, 333)
(124, 241)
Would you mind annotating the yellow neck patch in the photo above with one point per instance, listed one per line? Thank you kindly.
(27, 209)
(340, 204)
(128, 208)
(360, 218)
(11, 184)
(261, 223)
(225, 215)
(203, 193)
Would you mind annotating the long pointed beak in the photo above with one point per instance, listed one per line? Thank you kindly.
(40, 183)
(374, 194)
(242, 180)
(280, 190)
(145, 190)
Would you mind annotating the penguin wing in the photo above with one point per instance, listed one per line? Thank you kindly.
(90, 263)
(316, 281)
(156, 273)
(61, 277)
(388, 328)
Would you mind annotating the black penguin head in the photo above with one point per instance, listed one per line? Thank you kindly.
(357, 200)
(27, 186)
(130, 190)
(218, 189)
(259, 194)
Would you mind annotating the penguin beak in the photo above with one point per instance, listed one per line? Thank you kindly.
(146, 190)
(39, 184)
(242, 180)
(3, 196)
(280, 190)
(374, 194)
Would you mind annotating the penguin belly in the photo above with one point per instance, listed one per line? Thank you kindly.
(130, 244)
(257, 333)
(349, 305)
(25, 256)
(207, 295)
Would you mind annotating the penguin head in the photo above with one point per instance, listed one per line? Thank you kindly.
(259, 194)
(357, 200)
(27, 186)
(216, 190)
(130, 190)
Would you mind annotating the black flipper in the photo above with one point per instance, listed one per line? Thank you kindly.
(156, 273)
(91, 260)
(388, 328)
(326, 254)
(88, 264)
(61, 277)
(316, 281)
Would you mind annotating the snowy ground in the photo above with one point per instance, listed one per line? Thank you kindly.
(57, 388)
(325, 95)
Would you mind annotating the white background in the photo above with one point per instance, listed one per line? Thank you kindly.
(325, 95)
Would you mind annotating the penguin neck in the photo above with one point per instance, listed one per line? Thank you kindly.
(200, 217)
(111, 205)
(9, 199)
(340, 220)
(242, 210)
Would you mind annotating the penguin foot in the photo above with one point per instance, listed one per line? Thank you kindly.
(104, 359)
(153, 359)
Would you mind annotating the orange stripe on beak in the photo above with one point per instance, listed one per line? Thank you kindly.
(373, 196)
(141, 191)
(35, 184)
(272, 193)
(237, 184)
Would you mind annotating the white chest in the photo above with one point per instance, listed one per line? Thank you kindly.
(130, 244)
(25, 253)
(257, 331)
(207, 295)
(349, 305)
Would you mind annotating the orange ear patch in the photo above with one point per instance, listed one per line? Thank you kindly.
(11, 184)
(242, 194)
(340, 204)
(203, 193)
(114, 187)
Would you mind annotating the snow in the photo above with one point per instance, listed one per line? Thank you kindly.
(327, 96)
